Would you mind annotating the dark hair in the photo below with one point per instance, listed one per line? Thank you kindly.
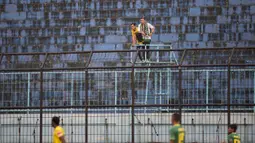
(133, 24)
(55, 120)
(233, 126)
(143, 17)
(176, 117)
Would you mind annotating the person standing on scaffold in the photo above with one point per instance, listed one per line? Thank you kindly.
(141, 36)
(146, 29)
(137, 40)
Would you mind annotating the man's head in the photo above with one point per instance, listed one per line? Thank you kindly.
(133, 26)
(176, 118)
(142, 20)
(232, 128)
(55, 121)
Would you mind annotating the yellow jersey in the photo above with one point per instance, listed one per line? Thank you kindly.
(58, 132)
(134, 35)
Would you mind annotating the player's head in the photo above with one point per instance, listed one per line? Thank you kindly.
(232, 128)
(55, 121)
(133, 26)
(176, 118)
(142, 20)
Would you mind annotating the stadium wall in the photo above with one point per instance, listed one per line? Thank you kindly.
(199, 127)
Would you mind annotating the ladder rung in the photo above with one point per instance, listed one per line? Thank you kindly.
(139, 103)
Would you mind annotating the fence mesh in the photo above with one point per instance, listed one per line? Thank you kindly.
(132, 102)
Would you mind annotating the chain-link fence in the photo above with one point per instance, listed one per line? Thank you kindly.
(107, 96)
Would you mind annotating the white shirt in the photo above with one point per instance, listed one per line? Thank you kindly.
(149, 26)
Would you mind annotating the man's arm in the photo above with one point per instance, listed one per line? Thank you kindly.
(152, 28)
(62, 139)
(133, 40)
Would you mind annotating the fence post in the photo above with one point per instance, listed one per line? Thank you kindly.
(132, 110)
(228, 96)
(229, 86)
(160, 89)
(2, 95)
(207, 89)
(87, 95)
(169, 85)
(41, 106)
(133, 100)
(180, 90)
(28, 90)
(72, 89)
(115, 90)
(41, 97)
(86, 105)
(180, 82)
(106, 131)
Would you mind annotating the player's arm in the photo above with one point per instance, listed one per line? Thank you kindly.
(61, 136)
(62, 139)
(172, 136)
(229, 139)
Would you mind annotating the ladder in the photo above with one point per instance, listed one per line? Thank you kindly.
(155, 58)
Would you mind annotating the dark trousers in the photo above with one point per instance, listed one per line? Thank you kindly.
(141, 54)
